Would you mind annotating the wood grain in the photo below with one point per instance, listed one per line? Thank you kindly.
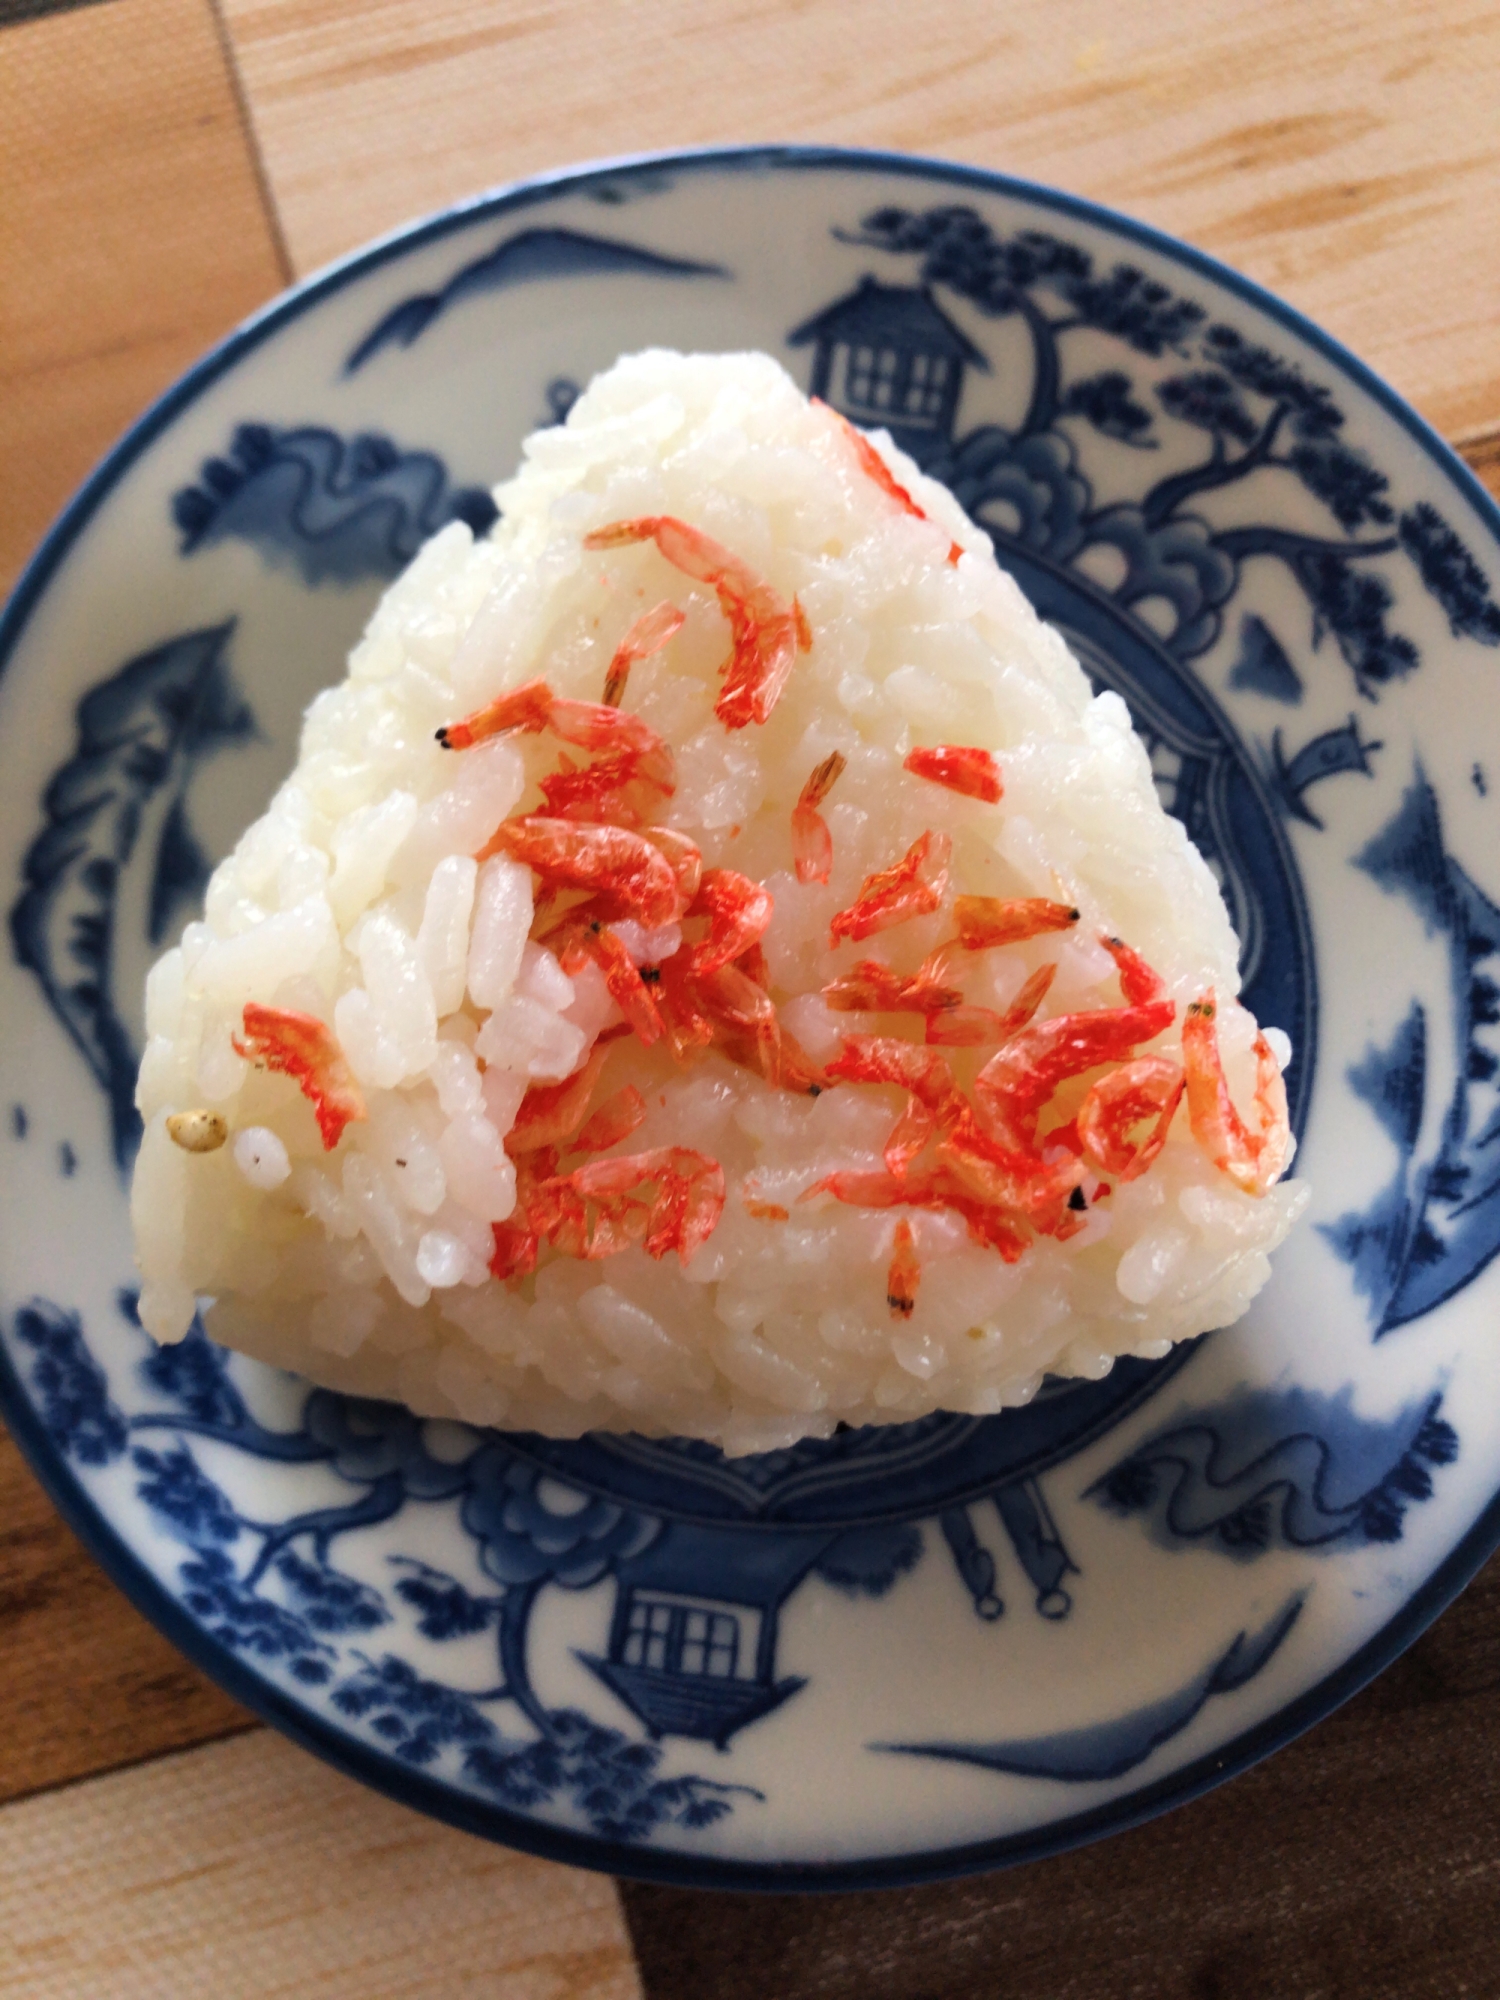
(248, 1871)
(131, 235)
(1361, 1863)
(87, 1683)
(1345, 155)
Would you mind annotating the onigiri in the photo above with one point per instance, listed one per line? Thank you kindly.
(715, 970)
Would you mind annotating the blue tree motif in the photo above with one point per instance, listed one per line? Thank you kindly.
(1351, 604)
(1451, 574)
(1259, 413)
(445, 1609)
(196, 1512)
(328, 1600)
(1003, 274)
(1106, 400)
(183, 1498)
(417, 1718)
(532, 1529)
(70, 1385)
(535, 1531)
(609, 1778)
(380, 1449)
(234, 1614)
(193, 1375)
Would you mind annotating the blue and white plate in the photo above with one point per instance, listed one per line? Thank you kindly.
(903, 1652)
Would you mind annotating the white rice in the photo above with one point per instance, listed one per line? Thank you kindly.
(356, 899)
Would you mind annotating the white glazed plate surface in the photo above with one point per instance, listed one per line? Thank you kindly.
(901, 1653)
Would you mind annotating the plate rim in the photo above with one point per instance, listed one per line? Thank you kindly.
(347, 1753)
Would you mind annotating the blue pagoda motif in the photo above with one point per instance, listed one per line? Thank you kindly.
(692, 1646)
(889, 356)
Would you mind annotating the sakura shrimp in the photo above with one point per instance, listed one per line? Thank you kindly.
(1014, 1086)
(611, 861)
(766, 632)
(874, 467)
(812, 843)
(1252, 1159)
(304, 1048)
(602, 1205)
(914, 886)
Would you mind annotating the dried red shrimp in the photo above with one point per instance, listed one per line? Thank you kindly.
(998, 1153)
(812, 844)
(874, 467)
(304, 1048)
(767, 632)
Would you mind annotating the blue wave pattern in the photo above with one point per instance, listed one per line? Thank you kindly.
(522, 259)
(336, 510)
(1280, 1469)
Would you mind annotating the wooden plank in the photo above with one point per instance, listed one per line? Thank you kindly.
(1345, 156)
(249, 1871)
(1360, 1863)
(88, 1683)
(1482, 455)
(132, 209)
(132, 234)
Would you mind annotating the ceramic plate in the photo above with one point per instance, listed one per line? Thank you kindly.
(902, 1652)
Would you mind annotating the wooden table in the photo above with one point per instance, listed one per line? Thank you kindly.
(165, 165)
